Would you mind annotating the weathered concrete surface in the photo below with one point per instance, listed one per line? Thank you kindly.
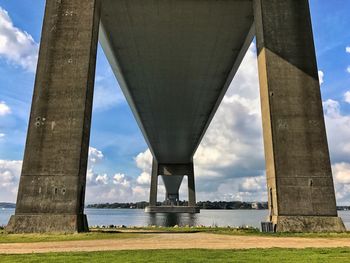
(154, 183)
(308, 224)
(175, 169)
(298, 169)
(191, 187)
(44, 223)
(52, 184)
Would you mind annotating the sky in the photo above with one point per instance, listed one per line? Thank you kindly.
(229, 163)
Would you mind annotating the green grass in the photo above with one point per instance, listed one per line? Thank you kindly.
(256, 232)
(27, 238)
(235, 231)
(190, 255)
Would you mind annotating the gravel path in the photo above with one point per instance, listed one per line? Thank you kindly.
(174, 241)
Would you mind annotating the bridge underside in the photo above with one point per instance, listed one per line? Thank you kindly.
(174, 60)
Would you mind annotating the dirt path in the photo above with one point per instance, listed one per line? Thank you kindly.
(175, 240)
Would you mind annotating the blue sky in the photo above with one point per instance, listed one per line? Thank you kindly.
(119, 162)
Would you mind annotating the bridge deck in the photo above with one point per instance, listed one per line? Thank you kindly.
(174, 60)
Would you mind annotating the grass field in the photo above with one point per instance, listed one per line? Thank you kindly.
(177, 255)
(190, 255)
(28, 238)
(242, 231)
(96, 234)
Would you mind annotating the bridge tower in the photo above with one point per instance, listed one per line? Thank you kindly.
(298, 169)
(52, 185)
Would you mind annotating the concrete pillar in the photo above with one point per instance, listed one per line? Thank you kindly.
(299, 176)
(172, 175)
(172, 185)
(154, 183)
(52, 184)
(191, 187)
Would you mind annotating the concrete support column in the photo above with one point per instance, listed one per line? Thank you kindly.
(191, 187)
(52, 185)
(299, 176)
(154, 183)
(172, 185)
(172, 175)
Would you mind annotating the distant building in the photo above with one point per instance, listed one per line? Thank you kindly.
(255, 205)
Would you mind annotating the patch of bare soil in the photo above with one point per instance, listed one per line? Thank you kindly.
(174, 241)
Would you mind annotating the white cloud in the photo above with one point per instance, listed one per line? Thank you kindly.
(102, 179)
(331, 108)
(17, 46)
(140, 193)
(320, 76)
(120, 179)
(347, 96)
(338, 127)
(141, 187)
(102, 187)
(144, 161)
(347, 49)
(4, 109)
(342, 172)
(9, 177)
(144, 179)
(241, 189)
(90, 176)
(94, 158)
(348, 69)
(232, 147)
(253, 184)
(341, 175)
(94, 155)
(10, 173)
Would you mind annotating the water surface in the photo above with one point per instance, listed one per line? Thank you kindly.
(137, 217)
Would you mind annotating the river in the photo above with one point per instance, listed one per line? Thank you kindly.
(137, 217)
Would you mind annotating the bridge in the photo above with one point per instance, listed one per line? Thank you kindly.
(174, 60)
